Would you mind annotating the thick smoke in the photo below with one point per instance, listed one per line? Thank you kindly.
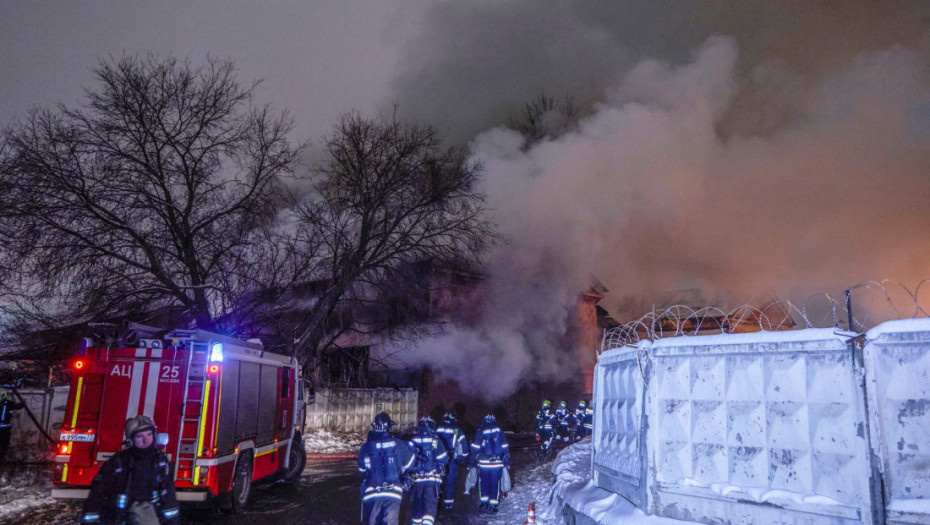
(784, 158)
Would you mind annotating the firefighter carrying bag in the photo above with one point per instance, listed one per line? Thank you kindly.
(505, 484)
(471, 479)
(459, 453)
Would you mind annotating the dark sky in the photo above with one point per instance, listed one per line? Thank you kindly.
(727, 149)
(317, 58)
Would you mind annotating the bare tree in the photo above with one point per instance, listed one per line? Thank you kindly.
(156, 194)
(544, 117)
(387, 198)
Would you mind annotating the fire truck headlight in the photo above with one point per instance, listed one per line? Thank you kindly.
(216, 353)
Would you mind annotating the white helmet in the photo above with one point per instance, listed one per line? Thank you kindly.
(137, 424)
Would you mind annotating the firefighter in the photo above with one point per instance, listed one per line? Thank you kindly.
(491, 454)
(426, 473)
(384, 460)
(588, 420)
(573, 429)
(457, 446)
(562, 414)
(553, 425)
(585, 416)
(544, 425)
(7, 406)
(136, 485)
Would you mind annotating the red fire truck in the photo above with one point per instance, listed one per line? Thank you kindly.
(228, 412)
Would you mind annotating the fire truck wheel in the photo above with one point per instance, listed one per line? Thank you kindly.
(242, 483)
(296, 461)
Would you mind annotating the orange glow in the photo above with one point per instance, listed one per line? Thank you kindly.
(214, 369)
(79, 364)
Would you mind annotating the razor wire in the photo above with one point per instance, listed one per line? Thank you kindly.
(872, 302)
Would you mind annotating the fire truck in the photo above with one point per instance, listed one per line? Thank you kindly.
(229, 414)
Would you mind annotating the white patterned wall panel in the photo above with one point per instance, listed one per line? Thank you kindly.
(783, 418)
(617, 448)
(898, 362)
(743, 422)
(352, 409)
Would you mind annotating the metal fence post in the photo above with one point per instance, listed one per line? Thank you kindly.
(857, 354)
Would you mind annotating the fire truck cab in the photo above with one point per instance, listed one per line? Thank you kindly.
(233, 413)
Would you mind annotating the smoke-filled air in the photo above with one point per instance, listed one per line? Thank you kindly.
(714, 152)
(721, 151)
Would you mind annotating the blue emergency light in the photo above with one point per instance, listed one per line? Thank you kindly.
(216, 353)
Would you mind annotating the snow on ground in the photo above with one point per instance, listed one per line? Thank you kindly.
(24, 490)
(568, 478)
(531, 487)
(327, 442)
(571, 473)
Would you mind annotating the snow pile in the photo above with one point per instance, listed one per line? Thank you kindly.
(573, 486)
(571, 467)
(17, 502)
(23, 493)
(319, 441)
(530, 486)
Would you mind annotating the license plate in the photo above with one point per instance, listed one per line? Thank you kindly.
(87, 438)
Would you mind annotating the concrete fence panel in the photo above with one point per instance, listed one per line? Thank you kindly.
(353, 409)
(897, 356)
(736, 428)
(27, 440)
(617, 446)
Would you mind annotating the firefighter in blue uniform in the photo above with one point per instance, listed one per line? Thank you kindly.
(426, 473)
(585, 416)
(588, 420)
(574, 431)
(7, 406)
(135, 485)
(544, 425)
(562, 414)
(491, 454)
(457, 446)
(384, 460)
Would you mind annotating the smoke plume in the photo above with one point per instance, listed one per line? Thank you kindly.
(736, 148)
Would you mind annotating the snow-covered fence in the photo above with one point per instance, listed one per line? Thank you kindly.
(27, 442)
(745, 428)
(353, 409)
(897, 357)
(618, 455)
